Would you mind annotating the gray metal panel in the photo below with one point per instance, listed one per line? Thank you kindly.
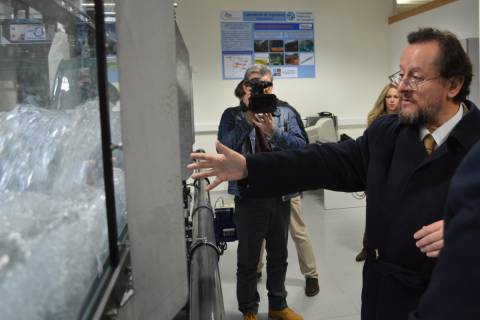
(472, 50)
(185, 102)
(150, 122)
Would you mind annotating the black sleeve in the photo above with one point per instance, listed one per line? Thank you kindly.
(341, 166)
(336, 166)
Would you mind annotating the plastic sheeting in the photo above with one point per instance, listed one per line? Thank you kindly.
(53, 233)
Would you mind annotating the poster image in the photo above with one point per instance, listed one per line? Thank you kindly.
(236, 64)
(282, 40)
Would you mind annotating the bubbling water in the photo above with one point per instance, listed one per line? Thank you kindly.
(53, 232)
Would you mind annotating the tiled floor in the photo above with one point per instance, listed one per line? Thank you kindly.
(336, 238)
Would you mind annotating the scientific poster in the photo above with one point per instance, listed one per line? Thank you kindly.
(282, 40)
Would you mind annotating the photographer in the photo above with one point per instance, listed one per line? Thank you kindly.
(245, 130)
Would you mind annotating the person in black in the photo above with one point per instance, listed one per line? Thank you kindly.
(404, 162)
(454, 289)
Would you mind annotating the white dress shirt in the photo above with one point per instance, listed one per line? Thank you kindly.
(441, 134)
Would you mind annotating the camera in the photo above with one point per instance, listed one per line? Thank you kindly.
(261, 102)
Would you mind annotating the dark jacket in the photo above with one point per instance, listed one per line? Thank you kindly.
(454, 290)
(406, 190)
(236, 133)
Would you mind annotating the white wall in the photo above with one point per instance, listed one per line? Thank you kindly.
(352, 57)
(459, 17)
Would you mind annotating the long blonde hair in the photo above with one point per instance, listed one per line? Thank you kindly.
(380, 107)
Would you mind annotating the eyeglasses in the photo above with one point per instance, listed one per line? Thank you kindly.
(411, 82)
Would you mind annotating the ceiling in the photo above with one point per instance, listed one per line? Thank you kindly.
(404, 5)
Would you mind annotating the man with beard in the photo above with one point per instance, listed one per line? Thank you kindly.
(404, 162)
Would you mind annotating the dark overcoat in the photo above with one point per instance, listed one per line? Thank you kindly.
(454, 290)
(406, 189)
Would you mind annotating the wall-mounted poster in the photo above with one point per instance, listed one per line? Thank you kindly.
(282, 40)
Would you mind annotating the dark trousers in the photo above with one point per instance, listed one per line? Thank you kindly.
(258, 219)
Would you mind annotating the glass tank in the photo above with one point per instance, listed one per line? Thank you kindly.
(54, 238)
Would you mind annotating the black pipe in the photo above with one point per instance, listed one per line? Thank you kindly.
(105, 130)
(206, 299)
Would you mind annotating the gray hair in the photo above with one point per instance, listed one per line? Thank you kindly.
(261, 69)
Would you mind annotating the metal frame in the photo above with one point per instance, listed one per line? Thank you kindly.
(100, 41)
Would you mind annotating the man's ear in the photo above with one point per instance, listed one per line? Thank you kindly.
(454, 86)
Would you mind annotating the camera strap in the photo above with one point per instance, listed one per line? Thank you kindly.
(261, 142)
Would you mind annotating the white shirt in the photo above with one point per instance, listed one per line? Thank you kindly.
(441, 134)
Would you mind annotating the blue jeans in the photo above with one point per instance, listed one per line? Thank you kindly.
(258, 219)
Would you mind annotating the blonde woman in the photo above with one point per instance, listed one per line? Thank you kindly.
(388, 102)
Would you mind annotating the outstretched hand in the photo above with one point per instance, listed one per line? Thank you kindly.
(225, 166)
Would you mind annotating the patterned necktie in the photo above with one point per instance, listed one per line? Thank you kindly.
(429, 143)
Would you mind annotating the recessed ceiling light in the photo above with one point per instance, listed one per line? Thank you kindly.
(412, 1)
(89, 4)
